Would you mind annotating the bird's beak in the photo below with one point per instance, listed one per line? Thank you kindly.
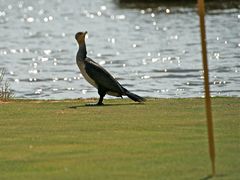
(85, 32)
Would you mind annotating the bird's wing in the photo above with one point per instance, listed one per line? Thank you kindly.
(102, 77)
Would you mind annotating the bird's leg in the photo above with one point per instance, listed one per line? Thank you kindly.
(101, 93)
(100, 101)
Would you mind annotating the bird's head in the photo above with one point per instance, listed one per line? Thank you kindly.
(80, 37)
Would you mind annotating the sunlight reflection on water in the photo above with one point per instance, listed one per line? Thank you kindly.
(152, 52)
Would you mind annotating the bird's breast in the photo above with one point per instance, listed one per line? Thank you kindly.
(81, 66)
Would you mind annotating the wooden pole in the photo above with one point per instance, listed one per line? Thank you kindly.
(201, 10)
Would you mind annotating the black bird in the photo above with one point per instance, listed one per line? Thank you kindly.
(98, 76)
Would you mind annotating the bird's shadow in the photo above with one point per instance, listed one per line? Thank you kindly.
(105, 105)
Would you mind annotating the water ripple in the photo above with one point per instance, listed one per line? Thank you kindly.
(151, 50)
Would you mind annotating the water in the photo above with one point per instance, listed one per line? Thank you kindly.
(152, 52)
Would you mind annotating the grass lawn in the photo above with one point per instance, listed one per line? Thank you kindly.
(161, 139)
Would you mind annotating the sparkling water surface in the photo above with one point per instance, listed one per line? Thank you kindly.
(153, 52)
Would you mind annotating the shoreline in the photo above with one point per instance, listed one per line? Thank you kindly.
(114, 99)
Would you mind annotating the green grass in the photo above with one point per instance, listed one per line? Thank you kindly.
(161, 139)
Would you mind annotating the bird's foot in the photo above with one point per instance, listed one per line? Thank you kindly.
(100, 104)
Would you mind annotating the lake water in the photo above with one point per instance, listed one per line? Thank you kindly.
(153, 52)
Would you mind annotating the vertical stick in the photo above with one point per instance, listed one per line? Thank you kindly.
(201, 9)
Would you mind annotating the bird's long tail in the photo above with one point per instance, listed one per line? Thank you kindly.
(135, 97)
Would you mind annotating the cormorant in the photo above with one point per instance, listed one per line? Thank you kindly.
(98, 76)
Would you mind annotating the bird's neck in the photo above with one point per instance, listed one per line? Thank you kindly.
(82, 52)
